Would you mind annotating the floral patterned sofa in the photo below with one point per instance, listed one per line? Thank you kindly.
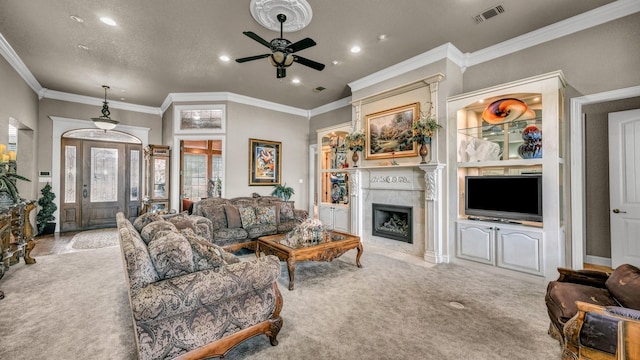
(189, 298)
(237, 223)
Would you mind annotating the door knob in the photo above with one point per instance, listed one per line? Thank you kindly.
(617, 211)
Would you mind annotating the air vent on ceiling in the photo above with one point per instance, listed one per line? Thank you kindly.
(488, 14)
(318, 89)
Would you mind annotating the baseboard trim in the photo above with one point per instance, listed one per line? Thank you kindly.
(597, 260)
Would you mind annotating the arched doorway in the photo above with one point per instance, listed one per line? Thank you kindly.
(101, 175)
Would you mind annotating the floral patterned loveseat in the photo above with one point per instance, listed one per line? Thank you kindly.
(237, 223)
(189, 298)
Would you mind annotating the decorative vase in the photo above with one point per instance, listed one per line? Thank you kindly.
(354, 157)
(423, 152)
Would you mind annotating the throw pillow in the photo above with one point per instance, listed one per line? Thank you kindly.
(233, 217)
(143, 220)
(149, 231)
(171, 255)
(217, 216)
(266, 214)
(623, 284)
(205, 255)
(181, 220)
(248, 216)
(286, 211)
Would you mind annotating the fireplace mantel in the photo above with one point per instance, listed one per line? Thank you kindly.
(416, 181)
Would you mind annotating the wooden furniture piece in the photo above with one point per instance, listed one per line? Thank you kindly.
(326, 251)
(535, 248)
(333, 178)
(16, 236)
(158, 166)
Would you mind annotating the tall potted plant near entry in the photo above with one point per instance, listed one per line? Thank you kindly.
(355, 142)
(45, 219)
(423, 129)
(284, 192)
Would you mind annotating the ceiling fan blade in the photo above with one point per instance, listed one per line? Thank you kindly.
(301, 45)
(249, 58)
(306, 62)
(257, 38)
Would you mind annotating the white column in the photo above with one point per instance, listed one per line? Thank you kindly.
(435, 251)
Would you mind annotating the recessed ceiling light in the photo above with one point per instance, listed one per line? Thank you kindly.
(295, 81)
(83, 47)
(76, 18)
(122, 99)
(109, 21)
(382, 37)
(355, 49)
(224, 58)
(335, 62)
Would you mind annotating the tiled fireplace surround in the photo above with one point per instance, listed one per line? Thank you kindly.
(417, 186)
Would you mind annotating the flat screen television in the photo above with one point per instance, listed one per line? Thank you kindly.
(506, 197)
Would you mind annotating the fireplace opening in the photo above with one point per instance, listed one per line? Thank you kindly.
(393, 222)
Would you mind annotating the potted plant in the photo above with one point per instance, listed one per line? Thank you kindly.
(284, 192)
(423, 129)
(8, 191)
(355, 142)
(45, 219)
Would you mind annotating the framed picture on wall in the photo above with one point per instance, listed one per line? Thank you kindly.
(199, 119)
(264, 162)
(389, 132)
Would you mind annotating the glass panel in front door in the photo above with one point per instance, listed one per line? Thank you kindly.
(104, 175)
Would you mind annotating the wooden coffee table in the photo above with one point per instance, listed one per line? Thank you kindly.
(327, 251)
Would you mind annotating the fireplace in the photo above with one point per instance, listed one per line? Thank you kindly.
(393, 222)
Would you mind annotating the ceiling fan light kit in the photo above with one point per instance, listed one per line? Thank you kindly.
(282, 51)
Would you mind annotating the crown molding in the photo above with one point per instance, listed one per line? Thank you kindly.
(88, 100)
(418, 61)
(330, 106)
(592, 18)
(595, 17)
(14, 60)
(228, 96)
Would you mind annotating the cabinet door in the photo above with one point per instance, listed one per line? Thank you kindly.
(520, 250)
(475, 242)
(341, 218)
(325, 215)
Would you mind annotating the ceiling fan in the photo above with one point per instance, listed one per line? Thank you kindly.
(282, 51)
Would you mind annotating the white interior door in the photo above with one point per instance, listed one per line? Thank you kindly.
(624, 183)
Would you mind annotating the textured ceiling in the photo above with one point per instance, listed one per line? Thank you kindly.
(167, 46)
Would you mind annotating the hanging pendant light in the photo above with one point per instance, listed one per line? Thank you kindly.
(104, 122)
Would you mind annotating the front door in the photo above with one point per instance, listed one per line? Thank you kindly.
(101, 178)
(624, 187)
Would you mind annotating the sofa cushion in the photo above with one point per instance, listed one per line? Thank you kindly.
(562, 296)
(136, 257)
(171, 254)
(230, 234)
(286, 226)
(233, 217)
(141, 221)
(624, 285)
(180, 220)
(217, 216)
(247, 216)
(149, 231)
(266, 214)
(205, 255)
(257, 230)
(286, 211)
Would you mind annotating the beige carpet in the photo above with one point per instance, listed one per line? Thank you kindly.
(75, 306)
(95, 239)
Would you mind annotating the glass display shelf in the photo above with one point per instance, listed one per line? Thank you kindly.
(501, 142)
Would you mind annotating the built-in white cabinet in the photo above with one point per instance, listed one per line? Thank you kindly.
(511, 130)
(333, 193)
(336, 217)
(507, 246)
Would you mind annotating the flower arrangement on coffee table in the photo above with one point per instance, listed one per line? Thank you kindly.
(308, 233)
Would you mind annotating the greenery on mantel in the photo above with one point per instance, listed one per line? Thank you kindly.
(355, 140)
(424, 128)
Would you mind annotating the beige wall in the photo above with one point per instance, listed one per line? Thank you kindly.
(330, 118)
(19, 102)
